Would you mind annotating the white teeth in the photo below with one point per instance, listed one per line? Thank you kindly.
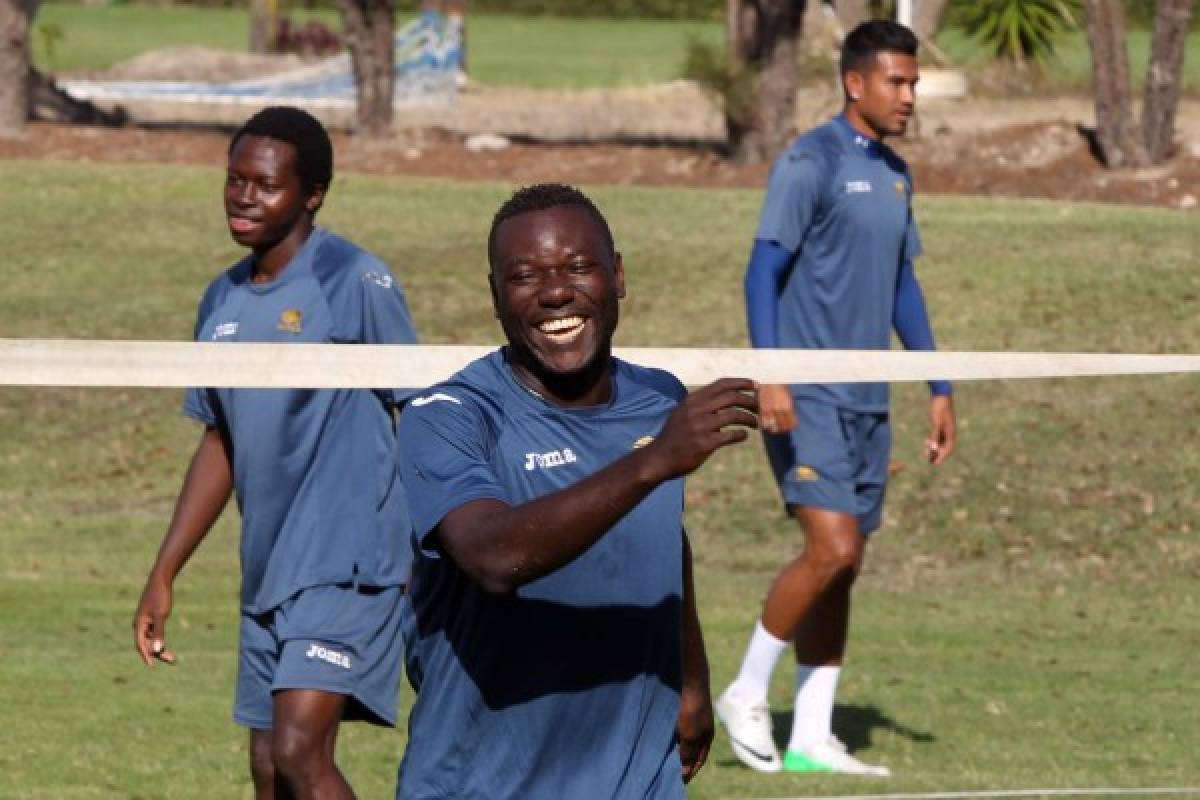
(560, 325)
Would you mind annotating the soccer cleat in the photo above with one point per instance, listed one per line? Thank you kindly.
(749, 729)
(830, 756)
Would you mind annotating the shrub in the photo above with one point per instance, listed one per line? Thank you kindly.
(1021, 30)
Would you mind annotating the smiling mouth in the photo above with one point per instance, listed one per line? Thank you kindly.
(562, 330)
(242, 224)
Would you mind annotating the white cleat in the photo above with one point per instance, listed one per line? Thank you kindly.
(749, 729)
(830, 756)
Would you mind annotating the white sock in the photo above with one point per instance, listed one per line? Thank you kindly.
(752, 682)
(815, 689)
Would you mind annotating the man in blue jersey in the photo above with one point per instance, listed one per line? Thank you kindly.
(554, 641)
(324, 558)
(832, 268)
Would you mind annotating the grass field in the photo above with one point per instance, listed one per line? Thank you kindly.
(1028, 616)
(545, 52)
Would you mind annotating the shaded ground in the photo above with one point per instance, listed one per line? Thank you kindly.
(1025, 147)
(1035, 159)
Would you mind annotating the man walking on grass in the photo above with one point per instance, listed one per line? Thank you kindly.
(832, 267)
(324, 549)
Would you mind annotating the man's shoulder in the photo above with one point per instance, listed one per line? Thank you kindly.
(651, 381)
(822, 145)
(338, 259)
(472, 391)
(228, 281)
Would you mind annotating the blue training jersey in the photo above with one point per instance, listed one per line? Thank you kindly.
(568, 688)
(315, 471)
(842, 204)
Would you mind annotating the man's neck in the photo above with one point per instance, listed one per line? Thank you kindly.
(590, 386)
(859, 123)
(271, 261)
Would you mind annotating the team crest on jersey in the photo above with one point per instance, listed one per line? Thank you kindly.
(901, 188)
(290, 320)
(806, 473)
(642, 442)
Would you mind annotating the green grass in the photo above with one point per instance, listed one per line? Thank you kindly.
(544, 52)
(1028, 615)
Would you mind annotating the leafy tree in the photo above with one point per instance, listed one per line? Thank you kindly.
(1020, 30)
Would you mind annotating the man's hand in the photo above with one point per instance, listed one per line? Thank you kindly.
(707, 419)
(940, 442)
(776, 412)
(694, 728)
(150, 623)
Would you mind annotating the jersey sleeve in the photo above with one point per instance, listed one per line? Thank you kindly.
(793, 194)
(198, 403)
(386, 320)
(912, 239)
(444, 462)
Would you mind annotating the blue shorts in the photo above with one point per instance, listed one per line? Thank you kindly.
(834, 459)
(338, 638)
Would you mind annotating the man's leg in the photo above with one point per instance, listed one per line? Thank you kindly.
(303, 740)
(823, 574)
(262, 767)
(831, 562)
(808, 603)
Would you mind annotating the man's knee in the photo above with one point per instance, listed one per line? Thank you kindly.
(836, 550)
(296, 752)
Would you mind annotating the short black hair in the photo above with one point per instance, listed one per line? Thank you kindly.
(543, 196)
(863, 44)
(314, 151)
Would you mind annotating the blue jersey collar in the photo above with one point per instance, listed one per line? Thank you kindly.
(300, 265)
(872, 148)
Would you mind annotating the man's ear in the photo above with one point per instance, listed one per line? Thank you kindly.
(619, 275)
(315, 199)
(495, 294)
(854, 83)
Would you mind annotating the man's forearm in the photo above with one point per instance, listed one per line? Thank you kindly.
(503, 547)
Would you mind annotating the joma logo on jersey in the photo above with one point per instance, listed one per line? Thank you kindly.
(332, 656)
(225, 329)
(555, 458)
(857, 187)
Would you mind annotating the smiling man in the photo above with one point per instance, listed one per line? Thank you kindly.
(323, 552)
(555, 645)
(832, 267)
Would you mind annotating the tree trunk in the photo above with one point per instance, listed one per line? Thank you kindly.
(850, 13)
(1164, 76)
(262, 25)
(370, 30)
(15, 17)
(764, 37)
(927, 18)
(822, 31)
(1115, 136)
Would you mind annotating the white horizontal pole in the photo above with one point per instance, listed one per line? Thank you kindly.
(67, 362)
